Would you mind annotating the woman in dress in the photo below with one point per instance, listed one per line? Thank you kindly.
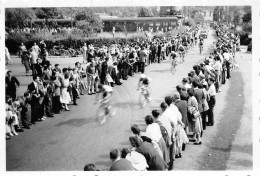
(65, 96)
(196, 118)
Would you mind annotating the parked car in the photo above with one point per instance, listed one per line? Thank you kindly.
(203, 34)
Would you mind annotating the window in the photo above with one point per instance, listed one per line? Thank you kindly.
(173, 23)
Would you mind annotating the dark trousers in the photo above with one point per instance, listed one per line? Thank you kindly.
(102, 79)
(48, 106)
(41, 110)
(141, 66)
(34, 112)
(203, 117)
(135, 67)
(56, 106)
(153, 56)
(159, 57)
(228, 70)
(24, 118)
(223, 76)
(125, 73)
(172, 152)
(12, 94)
(211, 116)
(75, 94)
(211, 104)
(33, 69)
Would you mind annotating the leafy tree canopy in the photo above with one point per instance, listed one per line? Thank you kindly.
(18, 17)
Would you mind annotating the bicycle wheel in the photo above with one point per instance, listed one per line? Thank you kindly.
(101, 115)
(52, 52)
(142, 100)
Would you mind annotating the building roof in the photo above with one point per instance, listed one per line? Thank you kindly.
(140, 19)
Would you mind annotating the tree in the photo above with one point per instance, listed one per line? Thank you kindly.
(190, 22)
(69, 12)
(145, 12)
(45, 13)
(247, 17)
(88, 22)
(18, 17)
(216, 14)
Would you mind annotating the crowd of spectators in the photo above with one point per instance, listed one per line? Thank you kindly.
(187, 112)
(182, 118)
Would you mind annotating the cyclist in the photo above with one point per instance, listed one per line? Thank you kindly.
(185, 43)
(173, 56)
(181, 50)
(105, 101)
(143, 84)
(196, 39)
(201, 45)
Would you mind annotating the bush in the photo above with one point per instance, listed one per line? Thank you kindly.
(76, 39)
(190, 22)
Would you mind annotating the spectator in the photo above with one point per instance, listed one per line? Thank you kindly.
(154, 160)
(26, 61)
(24, 106)
(33, 89)
(212, 101)
(56, 104)
(90, 167)
(195, 117)
(137, 160)
(153, 131)
(33, 61)
(142, 59)
(182, 106)
(65, 96)
(119, 164)
(11, 83)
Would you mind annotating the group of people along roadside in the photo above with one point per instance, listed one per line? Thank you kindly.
(54, 88)
(183, 117)
(187, 112)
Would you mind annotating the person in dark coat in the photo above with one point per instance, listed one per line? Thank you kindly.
(56, 104)
(182, 105)
(182, 91)
(119, 164)
(159, 53)
(11, 83)
(154, 160)
(104, 71)
(24, 106)
(38, 68)
(48, 99)
(33, 89)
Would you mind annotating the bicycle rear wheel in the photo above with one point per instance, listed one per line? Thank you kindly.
(101, 115)
(142, 100)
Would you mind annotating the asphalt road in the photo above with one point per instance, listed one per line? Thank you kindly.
(72, 139)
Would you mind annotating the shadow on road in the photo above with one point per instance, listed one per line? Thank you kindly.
(161, 71)
(77, 122)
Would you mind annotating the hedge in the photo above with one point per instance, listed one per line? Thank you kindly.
(75, 40)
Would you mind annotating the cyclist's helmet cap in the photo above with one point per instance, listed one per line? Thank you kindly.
(142, 76)
(185, 80)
